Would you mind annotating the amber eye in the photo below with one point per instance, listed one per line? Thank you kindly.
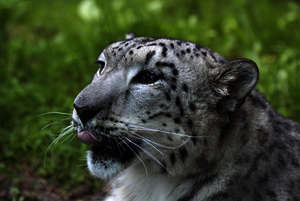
(101, 65)
(146, 77)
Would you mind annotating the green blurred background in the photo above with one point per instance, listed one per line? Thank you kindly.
(47, 54)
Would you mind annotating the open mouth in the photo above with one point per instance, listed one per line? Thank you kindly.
(105, 147)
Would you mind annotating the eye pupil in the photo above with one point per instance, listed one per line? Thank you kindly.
(101, 65)
(145, 77)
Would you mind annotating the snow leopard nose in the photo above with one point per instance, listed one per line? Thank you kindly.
(96, 98)
(84, 111)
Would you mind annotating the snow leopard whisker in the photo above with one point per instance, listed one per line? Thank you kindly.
(161, 131)
(137, 156)
(144, 139)
(161, 145)
(55, 122)
(56, 113)
(147, 153)
(64, 133)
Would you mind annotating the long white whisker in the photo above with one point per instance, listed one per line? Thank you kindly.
(59, 113)
(62, 134)
(55, 122)
(139, 158)
(146, 141)
(161, 131)
(161, 145)
(147, 153)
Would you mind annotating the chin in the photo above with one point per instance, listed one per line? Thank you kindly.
(103, 168)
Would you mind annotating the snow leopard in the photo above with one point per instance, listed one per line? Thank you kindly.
(170, 120)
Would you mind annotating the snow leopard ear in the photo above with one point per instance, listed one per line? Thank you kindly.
(235, 81)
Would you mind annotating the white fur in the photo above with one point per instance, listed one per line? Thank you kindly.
(97, 169)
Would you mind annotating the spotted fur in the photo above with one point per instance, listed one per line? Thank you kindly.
(169, 120)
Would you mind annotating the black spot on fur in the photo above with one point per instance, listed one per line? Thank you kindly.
(185, 87)
(177, 120)
(183, 154)
(190, 123)
(149, 56)
(130, 52)
(192, 106)
(160, 64)
(177, 54)
(164, 51)
(120, 49)
(155, 115)
(168, 97)
(197, 54)
(174, 79)
(179, 105)
(127, 93)
(172, 45)
(213, 56)
(173, 87)
(182, 52)
(152, 44)
(162, 44)
(198, 47)
(164, 167)
(178, 43)
(204, 53)
(172, 158)
(139, 47)
(164, 124)
(262, 136)
(144, 121)
(168, 115)
(188, 50)
(175, 72)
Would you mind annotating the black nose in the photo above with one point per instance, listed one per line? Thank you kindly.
(85, 112)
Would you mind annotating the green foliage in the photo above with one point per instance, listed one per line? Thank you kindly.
(48, 48)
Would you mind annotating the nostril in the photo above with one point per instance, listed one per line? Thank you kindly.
(85, 112)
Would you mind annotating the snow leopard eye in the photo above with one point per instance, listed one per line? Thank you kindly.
(101, 65)
(146, 77)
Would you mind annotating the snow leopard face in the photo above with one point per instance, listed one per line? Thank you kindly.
(158, 104)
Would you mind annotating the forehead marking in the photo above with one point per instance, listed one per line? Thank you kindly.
(161, 64)
(149, 56)
(164, 51)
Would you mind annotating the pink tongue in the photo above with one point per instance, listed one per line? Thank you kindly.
(87, 138)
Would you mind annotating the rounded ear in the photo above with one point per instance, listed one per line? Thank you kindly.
(235, 81)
